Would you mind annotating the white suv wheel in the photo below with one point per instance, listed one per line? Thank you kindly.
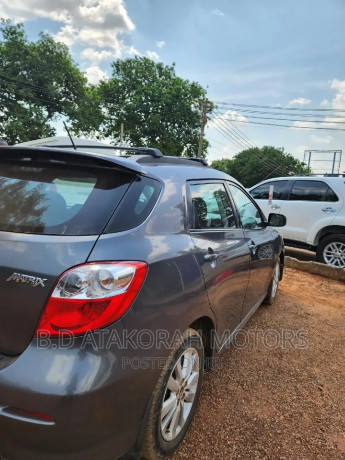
(331, 251)
(334, 254)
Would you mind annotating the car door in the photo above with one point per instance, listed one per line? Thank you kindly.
(222, 251)
(262, 244)
(311, 203)
(261, 195)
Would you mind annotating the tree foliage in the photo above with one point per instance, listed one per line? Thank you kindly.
(254, 165)
(158, 108)
(223, 165)
(38, 83)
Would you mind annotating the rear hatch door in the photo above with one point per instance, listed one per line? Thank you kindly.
(53, 207)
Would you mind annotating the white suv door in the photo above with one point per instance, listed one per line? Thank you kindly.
(261, 196)
(310, 206)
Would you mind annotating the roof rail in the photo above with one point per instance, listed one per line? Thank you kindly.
(143, 150)
(200, 160)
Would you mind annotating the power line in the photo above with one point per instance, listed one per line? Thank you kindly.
(236, 131)
(293, 119)
(24, 84)
(287, 126)
(221, 143)
(268, 162)
(243, 134)
(264, 112)
(278, 108)
(31, 98)
(224, 129)
(273, 164)
(216, 124)
(219, 128)
(224, 135)
(232, 133)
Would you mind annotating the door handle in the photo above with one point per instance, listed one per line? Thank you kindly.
(211, 257)
(275, 206)
(328, 210)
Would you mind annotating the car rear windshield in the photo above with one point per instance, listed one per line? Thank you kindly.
(56, 199)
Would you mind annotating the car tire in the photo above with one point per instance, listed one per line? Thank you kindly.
(165, 431)
(273, 287)
(331, 250)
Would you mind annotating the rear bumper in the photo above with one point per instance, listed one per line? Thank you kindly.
(97, 407)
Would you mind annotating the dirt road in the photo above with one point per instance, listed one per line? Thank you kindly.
(280, 393)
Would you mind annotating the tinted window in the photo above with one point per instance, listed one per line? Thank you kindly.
(136, 205)
(211, 207)
(308, 190)
(57, 199)
(249, 214)
(261, 192)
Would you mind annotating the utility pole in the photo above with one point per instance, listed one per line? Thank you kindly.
(122, 132)
(205, 109)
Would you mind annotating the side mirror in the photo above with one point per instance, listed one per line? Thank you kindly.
(276, 220)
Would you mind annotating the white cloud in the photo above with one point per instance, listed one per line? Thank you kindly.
(132, 51)
(95, 56)
(322, 139)
(329, 123)
(153, 55)
(95, 74)
(300, 101)
(337, 103)
(67, 35)
(160, 44)
(217, 12)
(304, 124)
(84, 21)
(339, 100)
(101, 39)
(21, 10)
(230, 115)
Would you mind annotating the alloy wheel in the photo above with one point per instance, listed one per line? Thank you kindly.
(334, 254)
(180, 394)
(275, 280)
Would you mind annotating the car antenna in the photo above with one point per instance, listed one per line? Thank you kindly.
(69, 135)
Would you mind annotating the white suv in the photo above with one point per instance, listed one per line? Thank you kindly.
(315, 212)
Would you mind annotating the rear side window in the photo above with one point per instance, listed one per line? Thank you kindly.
(211, 207)
(261, 192)
(56, 199)
(136, 205)
(308, 190)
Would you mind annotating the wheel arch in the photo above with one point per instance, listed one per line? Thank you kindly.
(205, 325)
(282, 262)
(329, 230)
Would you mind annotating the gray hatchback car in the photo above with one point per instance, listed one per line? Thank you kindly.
(121, 279)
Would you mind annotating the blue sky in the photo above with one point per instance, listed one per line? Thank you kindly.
(268, 52)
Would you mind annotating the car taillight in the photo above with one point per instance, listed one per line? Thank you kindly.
(90, 297)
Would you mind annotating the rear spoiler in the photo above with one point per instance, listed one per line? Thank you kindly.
(69, 156)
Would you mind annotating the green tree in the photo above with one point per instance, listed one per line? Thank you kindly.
(158, 108)
(254, 165)
(39, 82)
(223, 165)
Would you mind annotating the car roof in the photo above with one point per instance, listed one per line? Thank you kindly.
(327, 178)
(153, 164)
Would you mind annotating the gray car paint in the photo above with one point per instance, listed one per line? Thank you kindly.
(98, 406)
